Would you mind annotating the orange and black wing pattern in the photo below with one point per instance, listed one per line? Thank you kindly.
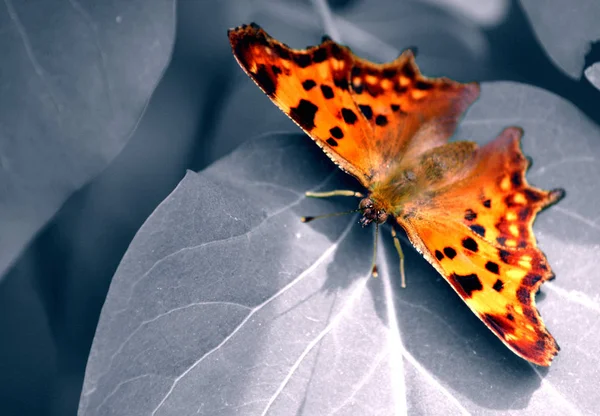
(365, 116)
(478, 234)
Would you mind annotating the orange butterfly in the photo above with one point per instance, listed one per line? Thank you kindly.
(468, 210)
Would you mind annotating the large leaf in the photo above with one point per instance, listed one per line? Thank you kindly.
(76, 76)
(226, 304)
(565, 29)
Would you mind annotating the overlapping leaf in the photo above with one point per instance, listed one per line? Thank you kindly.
(566, 30)
(226, 304)
(74, 79)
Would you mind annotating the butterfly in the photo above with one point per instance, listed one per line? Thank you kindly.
(467, 209)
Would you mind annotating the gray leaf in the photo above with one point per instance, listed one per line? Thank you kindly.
(75, 78)
(226, 304)
(565, 29)
(592, 73)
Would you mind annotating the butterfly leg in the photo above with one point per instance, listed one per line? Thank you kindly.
(334, 214)
(327, 195)
(338, 192)
(374, 271)
(401, 255)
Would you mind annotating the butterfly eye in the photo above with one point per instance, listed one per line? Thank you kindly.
(365, 203)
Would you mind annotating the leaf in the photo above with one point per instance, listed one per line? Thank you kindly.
(592, 73)
(76, 77)
(485, 13)
(226, 304)
(565, 30)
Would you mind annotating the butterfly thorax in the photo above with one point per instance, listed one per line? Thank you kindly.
(417, 179)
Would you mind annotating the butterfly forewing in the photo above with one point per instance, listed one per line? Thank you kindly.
(311, 87)
(367, 117)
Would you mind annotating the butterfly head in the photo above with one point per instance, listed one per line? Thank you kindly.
(371, 212)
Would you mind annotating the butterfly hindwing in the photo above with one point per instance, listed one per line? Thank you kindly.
(478, 235)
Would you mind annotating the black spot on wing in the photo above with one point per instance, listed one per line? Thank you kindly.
(487, 203)
(319, 55)
(341, 83)
(308, 85)
(282, 52)
(265, 80)
(524, 214)
(349, 116)
(439, 255)
(492, 267)
(533, 196)
(327, 92)
(470, 215)
(331, 142)
(450, 252)
(337, 52)
(389, 73)
(498, 285)
(470, 244)
(422, 85)
(276, 70)
(478, 229)
(408, 71)
(304, 114)
(302, 60)
(504, 255)
(531, 279)
(523, 294)
(337, 132)
(468, 282)
(381, 120)
(366, 110)
(516, 179)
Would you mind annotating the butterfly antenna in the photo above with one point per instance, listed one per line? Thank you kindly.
(401, 255)
(339, 192)
(374, 271)
(334, 214)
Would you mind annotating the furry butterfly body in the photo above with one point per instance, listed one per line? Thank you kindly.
(467, 209)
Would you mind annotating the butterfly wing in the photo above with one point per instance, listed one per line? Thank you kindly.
(409, 113)
(388, 111)
(478, 235)
(311, 87)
